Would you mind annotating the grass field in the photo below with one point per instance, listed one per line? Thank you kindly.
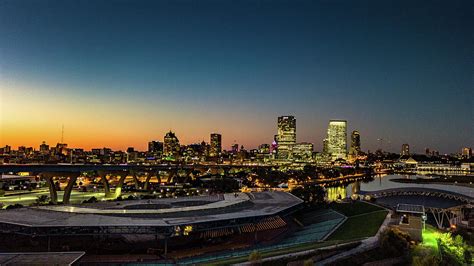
(355, 208)
(430, 236)
(364, 220)
(360, 226)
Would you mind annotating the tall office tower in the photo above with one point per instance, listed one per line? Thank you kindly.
(155, 147)
(354, 151)
(171, 146)
(286, 136)
(44, 148)
(427, 151)
(325, 146)
(466, 152)
(405, 150)
(216, 145)
(337, 139)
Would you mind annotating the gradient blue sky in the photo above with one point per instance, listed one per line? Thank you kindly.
(121, 73)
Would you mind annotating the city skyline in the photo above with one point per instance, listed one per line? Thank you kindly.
(351, 144)
(123, 75)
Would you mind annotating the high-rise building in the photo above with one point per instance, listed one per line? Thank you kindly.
(44, 148)
(61, 148)
(286, 136)
(216, 145)
(235, 148)
(466, 152)
(325, 146)
(302, 152)
(354, 151)
(337, 139)
(171, 146)
(405, 150)
(427, 151)
(131, 154)
(155, 147)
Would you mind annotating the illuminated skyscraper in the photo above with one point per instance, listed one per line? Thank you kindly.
(405, 150)
(216, 145)
(354, 151)
(337, 139)
(302, 152)
(466, 152)
(171, 145)
(286, 136)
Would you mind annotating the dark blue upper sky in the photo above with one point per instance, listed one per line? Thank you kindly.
(397, 70)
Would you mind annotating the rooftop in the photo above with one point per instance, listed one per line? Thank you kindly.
(408, 208)
(232, 207)
(40, 258)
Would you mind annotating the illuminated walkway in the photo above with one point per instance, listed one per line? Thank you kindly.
(30, 198)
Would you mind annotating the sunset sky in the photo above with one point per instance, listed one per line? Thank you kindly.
(121, 73)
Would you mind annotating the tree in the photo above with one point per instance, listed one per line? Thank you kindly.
(310, 170)
(312, 194)
(394, 243)
(255, 256)
(42, 199)
(424, 256)
(451, 249)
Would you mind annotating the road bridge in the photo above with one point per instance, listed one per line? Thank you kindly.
(173, 172)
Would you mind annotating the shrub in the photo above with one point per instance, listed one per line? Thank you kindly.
(15, 206)
(424, 256)
(91, 200)
(42, 200)
(394, 242)
(255, 256)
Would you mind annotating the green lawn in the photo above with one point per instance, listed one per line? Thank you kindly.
(430, 236)
(355, 208)
(360, 226)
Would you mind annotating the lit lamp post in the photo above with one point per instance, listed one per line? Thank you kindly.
(424, 218)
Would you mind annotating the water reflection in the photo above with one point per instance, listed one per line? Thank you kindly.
(335, 193)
